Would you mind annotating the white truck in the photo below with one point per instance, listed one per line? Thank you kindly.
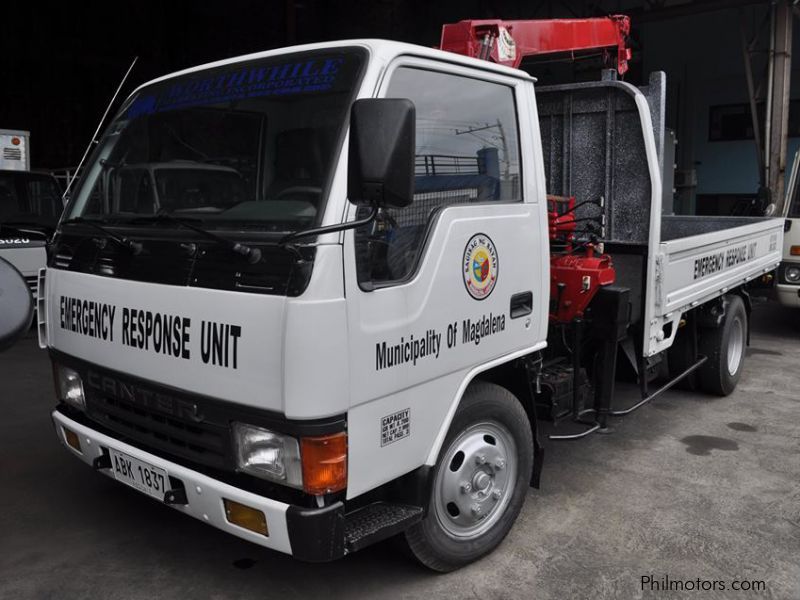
(787, 285)
(431, 255)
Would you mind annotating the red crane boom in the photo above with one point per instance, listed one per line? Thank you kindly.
(508, 42)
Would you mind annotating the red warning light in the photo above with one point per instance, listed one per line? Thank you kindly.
(16, 141)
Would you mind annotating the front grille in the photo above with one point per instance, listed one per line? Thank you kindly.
(63, 260)
(202, 443)
(181, 261)
(33, 284)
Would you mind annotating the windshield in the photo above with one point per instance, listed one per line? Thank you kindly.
(29, 199)
(247, 145)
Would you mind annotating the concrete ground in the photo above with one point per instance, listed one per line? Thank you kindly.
(688, 487)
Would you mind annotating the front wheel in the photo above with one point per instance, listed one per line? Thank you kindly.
(480, 480)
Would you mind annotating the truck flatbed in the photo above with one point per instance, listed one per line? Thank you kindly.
(606, 139)
(701, 258)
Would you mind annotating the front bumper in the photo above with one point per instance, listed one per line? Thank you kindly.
(788, 295)
(308, 534)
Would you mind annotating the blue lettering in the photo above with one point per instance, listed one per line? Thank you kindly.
(331, 66)
(290, 78)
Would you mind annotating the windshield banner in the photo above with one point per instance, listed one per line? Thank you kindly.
(296, 77)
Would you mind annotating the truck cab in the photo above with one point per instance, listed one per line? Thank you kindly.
(190, 358)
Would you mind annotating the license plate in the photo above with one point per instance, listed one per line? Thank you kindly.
(139, 475)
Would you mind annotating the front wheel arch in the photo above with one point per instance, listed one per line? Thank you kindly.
(480, 480)
(510, 374)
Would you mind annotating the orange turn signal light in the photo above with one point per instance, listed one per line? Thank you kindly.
(245, 517)
(72, 439)
(794, 250)
(324, 463)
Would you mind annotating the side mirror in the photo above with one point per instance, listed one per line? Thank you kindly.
(16, 305)
(381, 153)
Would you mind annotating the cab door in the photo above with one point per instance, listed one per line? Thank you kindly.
(453, 283)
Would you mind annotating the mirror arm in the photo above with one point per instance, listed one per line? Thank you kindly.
(332, 228)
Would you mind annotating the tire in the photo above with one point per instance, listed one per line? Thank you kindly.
(725, 349)
(490, 447)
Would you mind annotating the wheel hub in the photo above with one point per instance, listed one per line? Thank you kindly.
(481, 481)
(476, 479)
(735, 346)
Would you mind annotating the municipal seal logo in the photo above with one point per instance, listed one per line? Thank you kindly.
(480, 266)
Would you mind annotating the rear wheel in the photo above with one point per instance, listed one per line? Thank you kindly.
(725, 349)
(480, 480)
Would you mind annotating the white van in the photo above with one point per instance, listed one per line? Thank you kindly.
(30, 206)
(788, 285)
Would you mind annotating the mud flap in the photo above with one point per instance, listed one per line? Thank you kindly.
(533, 366)
(538, 458)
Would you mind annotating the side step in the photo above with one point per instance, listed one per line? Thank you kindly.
(377, 522)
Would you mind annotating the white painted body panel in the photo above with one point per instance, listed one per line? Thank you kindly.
(680, 287)
(789, 295)
(746, 252)
(27, 258)
(272, 371)
(256, 380)
(434, 298)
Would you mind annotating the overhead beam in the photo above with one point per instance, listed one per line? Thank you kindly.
(642, 15)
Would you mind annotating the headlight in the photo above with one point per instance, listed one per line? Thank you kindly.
(267, 454)
(70, 387)
(792, 274)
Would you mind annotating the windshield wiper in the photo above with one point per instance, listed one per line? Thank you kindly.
(133, 247)
(253, 255)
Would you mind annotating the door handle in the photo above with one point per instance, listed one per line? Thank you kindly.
(521, 304)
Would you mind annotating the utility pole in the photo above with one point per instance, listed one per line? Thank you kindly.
(777, 117)
(503, 142)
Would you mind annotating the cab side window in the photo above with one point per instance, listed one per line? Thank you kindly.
(467, 152)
